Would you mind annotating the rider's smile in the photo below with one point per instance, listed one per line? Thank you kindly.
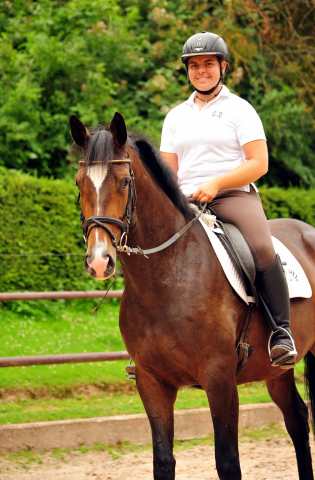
(204, 71)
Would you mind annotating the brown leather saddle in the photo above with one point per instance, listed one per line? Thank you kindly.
(240, 254)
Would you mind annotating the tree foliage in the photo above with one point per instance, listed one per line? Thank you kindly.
(93, 57)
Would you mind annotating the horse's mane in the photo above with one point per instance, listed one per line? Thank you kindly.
(101, 149)
(162, 172)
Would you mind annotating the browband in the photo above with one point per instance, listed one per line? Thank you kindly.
(120, 160)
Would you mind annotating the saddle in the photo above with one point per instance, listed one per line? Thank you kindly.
(237, 248)
(240, 255)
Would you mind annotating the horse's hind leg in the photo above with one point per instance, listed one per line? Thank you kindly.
(284, 393)
(158, 400)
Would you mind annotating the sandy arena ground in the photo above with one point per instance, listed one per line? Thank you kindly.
(270, 459)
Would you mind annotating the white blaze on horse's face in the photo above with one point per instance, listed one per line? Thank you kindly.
(99, 261)
(97, 175)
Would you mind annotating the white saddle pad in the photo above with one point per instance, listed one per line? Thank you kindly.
(298, 283)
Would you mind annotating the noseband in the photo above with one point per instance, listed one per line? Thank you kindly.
(100, 220)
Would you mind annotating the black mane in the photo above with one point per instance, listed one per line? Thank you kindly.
(162, 172)
(101, 148)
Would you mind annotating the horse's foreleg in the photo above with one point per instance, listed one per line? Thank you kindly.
(283, 392)
(223, 400)
(158, 400)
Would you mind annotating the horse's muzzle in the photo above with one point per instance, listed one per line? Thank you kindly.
(100, 264)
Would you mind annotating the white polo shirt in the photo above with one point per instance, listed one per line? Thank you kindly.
(208, 142)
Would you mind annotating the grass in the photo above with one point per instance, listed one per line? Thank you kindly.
(60, 327)
(57, 392)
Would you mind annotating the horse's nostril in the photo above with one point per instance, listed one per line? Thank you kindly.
(111, 263)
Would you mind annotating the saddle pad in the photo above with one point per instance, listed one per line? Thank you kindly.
(298, 283)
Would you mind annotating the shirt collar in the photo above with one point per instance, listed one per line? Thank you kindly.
(225, 92)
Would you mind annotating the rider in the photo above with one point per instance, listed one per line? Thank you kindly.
(216, 144)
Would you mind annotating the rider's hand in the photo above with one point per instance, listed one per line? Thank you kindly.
(206, 191)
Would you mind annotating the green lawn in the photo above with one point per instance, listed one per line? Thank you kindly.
(53, 392)
(53, 327)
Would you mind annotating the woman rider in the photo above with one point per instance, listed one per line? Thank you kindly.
(216, 144)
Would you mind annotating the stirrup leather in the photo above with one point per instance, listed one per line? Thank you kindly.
(281, 361)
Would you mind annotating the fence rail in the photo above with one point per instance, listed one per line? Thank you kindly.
(58, 295)
(62, 358)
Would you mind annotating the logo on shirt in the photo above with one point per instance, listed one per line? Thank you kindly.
(217, 114)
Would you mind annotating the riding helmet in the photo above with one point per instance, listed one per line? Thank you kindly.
(205, 43)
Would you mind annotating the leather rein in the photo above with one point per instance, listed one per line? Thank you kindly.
(124, 224)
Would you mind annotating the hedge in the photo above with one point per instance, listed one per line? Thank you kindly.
(40, 215)
(289, 203)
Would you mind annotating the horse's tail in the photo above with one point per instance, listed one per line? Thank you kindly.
(309, 374)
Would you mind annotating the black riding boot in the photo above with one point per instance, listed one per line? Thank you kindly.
(274, 298)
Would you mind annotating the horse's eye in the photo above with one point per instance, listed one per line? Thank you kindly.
(125, 182)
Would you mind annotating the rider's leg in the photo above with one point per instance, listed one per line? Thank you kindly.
(244, 210)
(274, 295)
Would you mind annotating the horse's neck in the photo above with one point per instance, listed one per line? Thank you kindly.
(157, 218)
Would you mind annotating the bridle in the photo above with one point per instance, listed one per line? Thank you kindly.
(100, 220)
(124, 224)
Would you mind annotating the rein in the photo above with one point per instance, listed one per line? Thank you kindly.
(100, 220)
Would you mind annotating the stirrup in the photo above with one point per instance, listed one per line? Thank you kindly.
(131, 371)
(287, 360)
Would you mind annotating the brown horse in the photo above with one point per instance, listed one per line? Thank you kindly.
(179, 317)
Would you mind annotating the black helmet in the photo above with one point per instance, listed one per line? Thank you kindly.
(205, 43)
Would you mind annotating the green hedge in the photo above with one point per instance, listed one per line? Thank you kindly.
(289, 203)
(40, 215)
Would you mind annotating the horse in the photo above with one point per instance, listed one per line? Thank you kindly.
(179, 317)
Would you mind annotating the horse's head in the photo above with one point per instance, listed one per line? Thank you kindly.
(105, 182)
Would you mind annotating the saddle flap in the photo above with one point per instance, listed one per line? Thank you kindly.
(240, 253)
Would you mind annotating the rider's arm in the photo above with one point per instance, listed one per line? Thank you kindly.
(256, 166)
(172, 159)
(256, 154)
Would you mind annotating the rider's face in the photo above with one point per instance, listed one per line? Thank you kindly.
(204, 71)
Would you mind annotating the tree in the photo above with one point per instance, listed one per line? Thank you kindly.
(93, 57)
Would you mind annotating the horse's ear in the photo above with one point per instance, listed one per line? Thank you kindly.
(78, 131)
(118, 130)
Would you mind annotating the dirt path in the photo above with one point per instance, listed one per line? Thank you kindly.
(270, 459)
